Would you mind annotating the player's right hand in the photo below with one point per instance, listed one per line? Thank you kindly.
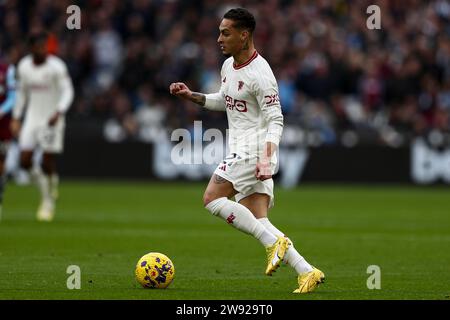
(15, 127)
(181, 90)
(263, 170)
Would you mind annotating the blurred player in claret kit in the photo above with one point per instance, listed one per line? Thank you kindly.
(7, 100)
(249, 95)
(45, 89)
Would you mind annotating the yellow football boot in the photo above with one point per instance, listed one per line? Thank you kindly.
(275, 254)
(309, 281)
(46, 211)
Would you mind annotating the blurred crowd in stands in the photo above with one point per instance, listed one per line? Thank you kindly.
(340, 83)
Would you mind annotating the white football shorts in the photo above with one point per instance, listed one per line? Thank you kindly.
(49, 139)
(240, 171)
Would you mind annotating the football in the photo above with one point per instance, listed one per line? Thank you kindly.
(155, 270)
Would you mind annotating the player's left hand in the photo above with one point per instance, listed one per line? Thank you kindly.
(54, 119)
(263, 170)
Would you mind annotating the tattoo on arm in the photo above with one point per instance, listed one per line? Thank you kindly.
(219, 179)
(198, 98)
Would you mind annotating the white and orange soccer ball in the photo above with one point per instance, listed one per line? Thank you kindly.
(155, 270)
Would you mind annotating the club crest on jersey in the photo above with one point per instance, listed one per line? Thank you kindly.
(235, 104)
(240, 85)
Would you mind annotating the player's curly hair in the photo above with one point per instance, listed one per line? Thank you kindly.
(242, 18)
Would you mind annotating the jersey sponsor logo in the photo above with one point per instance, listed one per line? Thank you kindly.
(240, 85)
(235, 104)
(272, 99)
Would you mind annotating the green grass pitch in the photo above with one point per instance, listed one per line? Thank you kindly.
(105, 227)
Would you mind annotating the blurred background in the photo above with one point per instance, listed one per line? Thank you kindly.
(360, 105)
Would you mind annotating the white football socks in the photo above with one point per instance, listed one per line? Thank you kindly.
(43, 183)
(241, 218)
(292, 257)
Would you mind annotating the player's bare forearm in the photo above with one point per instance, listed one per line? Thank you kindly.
(269, 149)
(198, 98)
(181, 90)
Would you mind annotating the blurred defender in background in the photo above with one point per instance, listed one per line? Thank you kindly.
(45, 90)
(7, 100)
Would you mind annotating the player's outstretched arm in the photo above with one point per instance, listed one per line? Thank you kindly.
(181, 90)
(211, 101)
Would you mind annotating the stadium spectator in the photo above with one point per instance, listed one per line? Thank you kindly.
(339, 73)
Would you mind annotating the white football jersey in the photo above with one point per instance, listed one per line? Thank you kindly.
(249, 95)
(44, 89)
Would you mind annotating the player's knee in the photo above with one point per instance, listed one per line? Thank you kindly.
(208, 197)
(48, 164)
(46, 168)
(25, 163)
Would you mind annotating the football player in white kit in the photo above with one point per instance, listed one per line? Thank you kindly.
(249, 96)
(45, 89)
